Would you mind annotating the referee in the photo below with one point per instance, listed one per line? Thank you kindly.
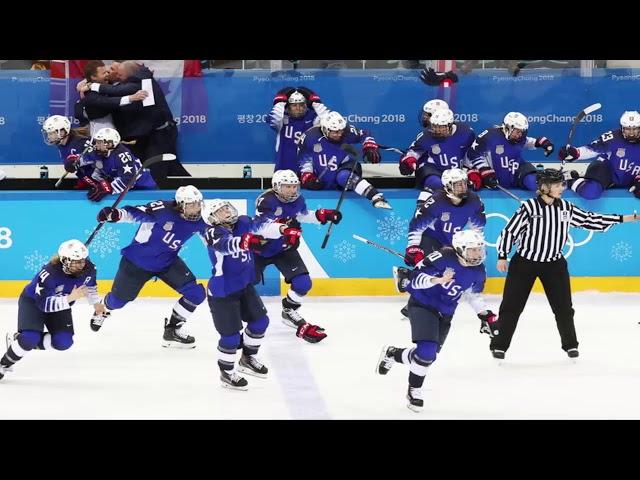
(540, 228)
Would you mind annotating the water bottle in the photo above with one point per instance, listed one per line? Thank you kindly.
(44, 171)
(246, 171)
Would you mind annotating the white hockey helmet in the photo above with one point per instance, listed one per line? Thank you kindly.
(282, 178)
(55, 128)
(442, 122)
(73, 254)
(630, 126)
(189, 202)
(297, 105)
(470, 246)
(219, 212)
(455, 183)
(429, 108)
(109, 139)
(515, 121)
(333, 122)
(297, 97)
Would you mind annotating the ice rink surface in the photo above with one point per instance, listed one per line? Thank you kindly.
(122, 372)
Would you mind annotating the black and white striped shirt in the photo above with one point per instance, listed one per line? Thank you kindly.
(541, 230)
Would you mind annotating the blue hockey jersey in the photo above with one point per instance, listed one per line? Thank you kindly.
(50, 287)
(161, 235)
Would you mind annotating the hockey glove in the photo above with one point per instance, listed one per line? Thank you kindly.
(283, 95)
(310, 95)
(475, 179)
(109, 214)
(253, 242)
(291, 237)
(71, 163)
(489, 179)
(371, 151)
(568, 153)
(407, 165)
(544, 142)
(98, 192)
(488, 323)
(413, 255)
(310, 333)
(325, 215)
(310, 181)
(435, 79)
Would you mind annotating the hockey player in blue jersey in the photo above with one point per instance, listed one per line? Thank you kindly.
(165, 226)
(496, 155)
(435, 288)
(47, 300)
(439, 147)
(618, 164)
(294, 112)
(325, 163)
(232, 241)
(56, 130)
(114, 166)
(284, 204)
(443, 214)
(428, 109)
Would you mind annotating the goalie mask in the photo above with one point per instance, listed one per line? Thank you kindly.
(455, 183)
(73, 255)
(105, 140)
(219, 212)
(630, 126)
(189, 202)
(469, 246)
(296, 105)
(286, 185)
(515, 126)
(55, 129)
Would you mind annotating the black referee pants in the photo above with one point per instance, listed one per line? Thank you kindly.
(554, 277)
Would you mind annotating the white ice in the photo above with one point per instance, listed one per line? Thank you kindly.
(122, 372)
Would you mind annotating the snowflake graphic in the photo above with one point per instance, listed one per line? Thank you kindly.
(106, 241)
(392, 228)
(344, 251)
(34, 261)
(621, 251)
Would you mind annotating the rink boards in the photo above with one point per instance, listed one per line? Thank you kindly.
(33, 224)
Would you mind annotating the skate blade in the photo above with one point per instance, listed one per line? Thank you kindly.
(383, 206)
(380, 359)
(248, 371)
(178, 345)
(289, 323)
(414, 408)
(231, 387)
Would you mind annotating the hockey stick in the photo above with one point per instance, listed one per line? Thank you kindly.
(512, 195)
(392, 149)
(87, 149)
(340, 200)
(165, 157)
(583, 113)
(377, 245)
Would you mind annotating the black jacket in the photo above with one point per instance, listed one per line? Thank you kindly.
(135, 120)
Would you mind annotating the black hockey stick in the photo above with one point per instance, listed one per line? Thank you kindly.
(87, 149)
(340, 200)
(512, 195)
(377, 245)
(166, 157)
(583, 113)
